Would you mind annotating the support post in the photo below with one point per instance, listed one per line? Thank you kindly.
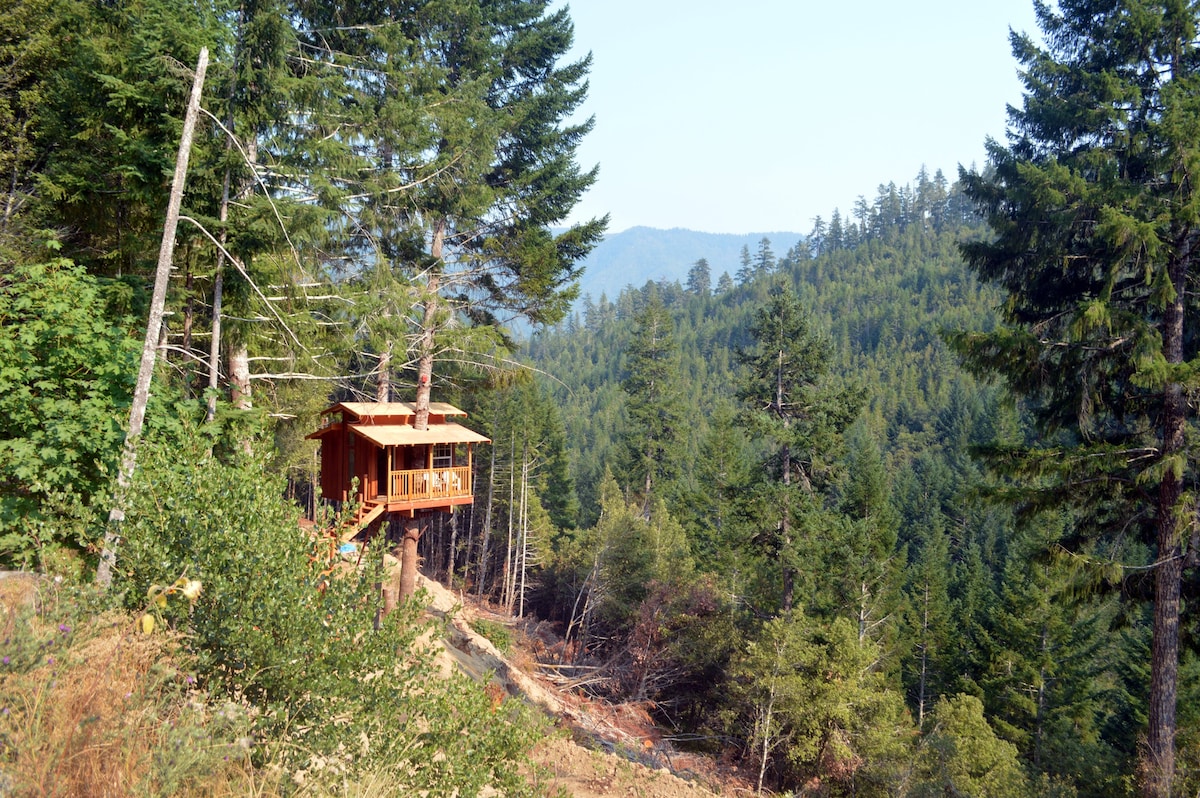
(408, 557)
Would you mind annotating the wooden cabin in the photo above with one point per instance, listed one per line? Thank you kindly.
(399, 469)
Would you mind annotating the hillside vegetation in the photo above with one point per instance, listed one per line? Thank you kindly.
(906, 506)
(916, 593)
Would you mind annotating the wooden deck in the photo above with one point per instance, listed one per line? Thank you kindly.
(425, 489)
(438, 483)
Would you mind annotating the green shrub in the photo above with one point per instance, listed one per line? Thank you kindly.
(66, 374)
(497, 633)
(335, 695)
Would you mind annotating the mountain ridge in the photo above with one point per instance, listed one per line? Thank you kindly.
(638, 254)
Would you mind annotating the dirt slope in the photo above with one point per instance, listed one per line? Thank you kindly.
(622, 753)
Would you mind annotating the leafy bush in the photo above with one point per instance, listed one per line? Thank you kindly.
(335, 694)
(65, 374)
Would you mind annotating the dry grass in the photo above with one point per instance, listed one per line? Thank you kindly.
(98, 709)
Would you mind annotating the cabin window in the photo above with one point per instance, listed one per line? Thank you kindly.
(443, 455)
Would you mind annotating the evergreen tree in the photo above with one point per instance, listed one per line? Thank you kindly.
(721, 473)
(31, 54)
(107, 130)
(745, 272)
(870, 573)
(653, 437)
(465, 133)
(930, 623)
(816, 237)
(834, 239)
(963, 756)
(817, 711)
(1047, 682)
(764, 259)
(699, 280)
(799, 416)
(1094, 214)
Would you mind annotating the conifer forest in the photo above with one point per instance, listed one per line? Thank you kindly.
(907, 505)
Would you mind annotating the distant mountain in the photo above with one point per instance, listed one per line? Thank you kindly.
(640, 254)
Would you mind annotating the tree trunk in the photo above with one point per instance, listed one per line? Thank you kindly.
(239, 377)
(141, 393)
(510, 584)
(189, 311)
(524, 547)
(487, 526)
(383, 376)
(452, 549)
(766, 716)
(924, 668)
(785, 535)
(408, 558)
(428, 325)
(214, 348)
(412, 533)
(1158, 766)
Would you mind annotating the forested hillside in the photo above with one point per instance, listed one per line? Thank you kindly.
(902, 566)
(905, 508)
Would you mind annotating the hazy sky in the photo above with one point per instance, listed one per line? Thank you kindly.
(757, 115)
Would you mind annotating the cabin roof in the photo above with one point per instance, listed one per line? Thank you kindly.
(368, 409)
(406, 435)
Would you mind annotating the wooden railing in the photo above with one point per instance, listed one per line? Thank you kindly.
(440, 483)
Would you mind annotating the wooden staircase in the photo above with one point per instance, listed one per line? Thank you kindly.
(368, 513)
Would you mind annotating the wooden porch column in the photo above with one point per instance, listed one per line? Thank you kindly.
(408, 557)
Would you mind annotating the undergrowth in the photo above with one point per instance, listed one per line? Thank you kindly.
(91, 706)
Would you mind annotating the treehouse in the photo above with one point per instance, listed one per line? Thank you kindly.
(399, 469)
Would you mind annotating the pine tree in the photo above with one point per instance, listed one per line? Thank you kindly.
(721, 472)
(1046, 684)
(963, 756)
(764, 258)
(745, 272)
(464, 132)
(799, 415)
(870, 569)
(699, 280)
(653, 438)
(107, 127)
(816, 711)
(930, 623)
(1094, 213)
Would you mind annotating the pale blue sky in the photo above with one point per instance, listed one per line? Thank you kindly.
(756, 116)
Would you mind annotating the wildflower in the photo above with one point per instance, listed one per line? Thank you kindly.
(192, 589)
(62, 627)
(6, 660)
